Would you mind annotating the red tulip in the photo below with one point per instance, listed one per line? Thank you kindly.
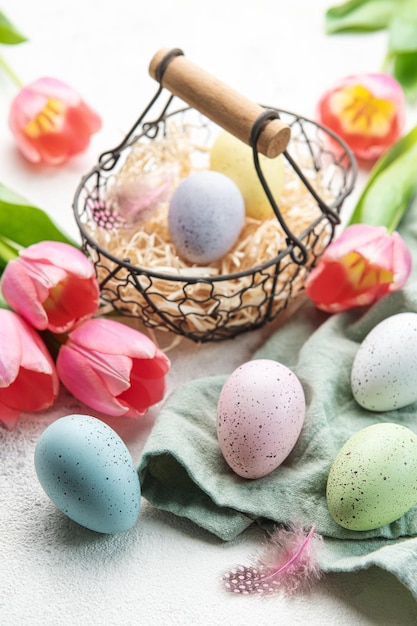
(112, 368)
(358, 268)
(52, 285)
(367, 111)
(28, 379)
(50, 121)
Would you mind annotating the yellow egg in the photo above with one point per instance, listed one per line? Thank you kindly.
(232, 157)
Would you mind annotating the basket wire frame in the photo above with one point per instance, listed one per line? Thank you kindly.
(133, 291)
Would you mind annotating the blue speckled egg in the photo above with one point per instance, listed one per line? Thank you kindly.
(88, 473)
(205, 217)
(260, 414)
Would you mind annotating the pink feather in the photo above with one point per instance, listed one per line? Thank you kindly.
(287, 563)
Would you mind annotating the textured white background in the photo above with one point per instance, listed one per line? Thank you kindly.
(164, 571)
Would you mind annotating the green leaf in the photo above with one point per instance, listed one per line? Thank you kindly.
(402, 49)
(21, 225)
(390, 187)
(3, 303)
(8, 33)
(7, 252)
(404, 69)
(403, 30)
(361, 15)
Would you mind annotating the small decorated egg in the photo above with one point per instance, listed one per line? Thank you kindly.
(88, 473)
(205, 217)
(260, 414)
(373, 480)
(384, 371)
(234, 158)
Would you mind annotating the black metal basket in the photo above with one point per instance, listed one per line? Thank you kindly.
(213, 308)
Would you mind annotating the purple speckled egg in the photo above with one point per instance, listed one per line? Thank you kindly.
(260, 414)
(205, 217)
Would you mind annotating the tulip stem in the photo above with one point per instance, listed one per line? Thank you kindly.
(53, 342)
(3, 303)
(11, 74)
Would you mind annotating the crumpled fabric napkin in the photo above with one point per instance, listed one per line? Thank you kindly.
(182, 469)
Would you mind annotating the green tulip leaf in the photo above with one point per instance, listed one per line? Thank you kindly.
(3, 303)
(8, 33)
(7, 252)
(403, 30)
(401, 59)
(361, 15)
(390, 187)
(22, 225)
(404, 69)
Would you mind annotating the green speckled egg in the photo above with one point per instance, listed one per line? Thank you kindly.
(373, 480)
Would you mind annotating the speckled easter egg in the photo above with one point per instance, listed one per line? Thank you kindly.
(205, 217)
(260, 414)
(234, 158)
(88, 473)
(384, 371)
(373, 480)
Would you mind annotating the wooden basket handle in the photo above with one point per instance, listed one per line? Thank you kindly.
(217, 101)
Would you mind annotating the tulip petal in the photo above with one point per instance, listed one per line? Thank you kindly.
(111, 337)
(112, 367)
(358, 268)
(28, 379)
(61, 255)
(113, 371)
(366, 110)
(53, 285)
(10, 349)
(8, 417)
(147, 387)
(49, 87)
(50, 121)
(73, 300)
(401, 261)
(353, 238)
(83, 381)
(31, 391)
(35, 355)
(326, 284)
(21, 294)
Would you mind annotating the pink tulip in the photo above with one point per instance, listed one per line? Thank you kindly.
(358, 268)
(52, 285)
(367, 111)
(50, 121)
(112, 368)
(28, 379)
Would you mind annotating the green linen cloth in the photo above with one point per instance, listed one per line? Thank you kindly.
(182, 469)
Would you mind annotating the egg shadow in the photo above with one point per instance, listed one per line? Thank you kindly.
(60, 533)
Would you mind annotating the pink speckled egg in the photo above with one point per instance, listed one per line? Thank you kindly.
(260, 414)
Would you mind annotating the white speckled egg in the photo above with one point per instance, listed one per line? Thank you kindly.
(88, 473)
(384, 371)
(373, 480)
(234, 158)
(260, 414)
(205, 217)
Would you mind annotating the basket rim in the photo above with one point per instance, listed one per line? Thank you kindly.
(88, 240)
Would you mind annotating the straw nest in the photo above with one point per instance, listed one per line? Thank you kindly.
(234, 291)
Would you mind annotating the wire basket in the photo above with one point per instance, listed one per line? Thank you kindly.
(204, 306)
